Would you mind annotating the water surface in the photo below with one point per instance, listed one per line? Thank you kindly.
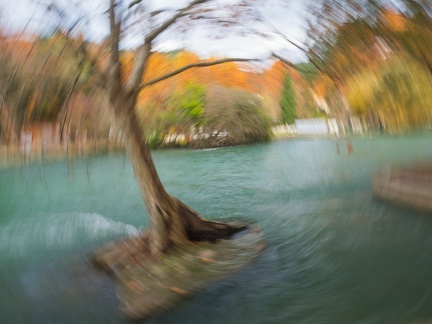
(334, 253)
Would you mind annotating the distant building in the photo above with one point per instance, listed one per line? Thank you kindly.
(308, 127)
(40, 134)
(312, 127)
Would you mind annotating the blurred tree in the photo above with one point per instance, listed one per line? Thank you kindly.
(155, 108)
(358, 49)
(158, 103)
(48, 71)
(409, 31)
(232, 117)
(288, 102)
(184, 111)
(190, 104)
(15, 95)
(172, 222)
(307, 70)
(398, 95)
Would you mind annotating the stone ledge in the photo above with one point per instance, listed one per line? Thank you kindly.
(406, 186)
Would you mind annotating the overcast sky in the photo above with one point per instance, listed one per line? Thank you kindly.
(289, 16)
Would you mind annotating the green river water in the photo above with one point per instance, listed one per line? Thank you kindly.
(335, 255)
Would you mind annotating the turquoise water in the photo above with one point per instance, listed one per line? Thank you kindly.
(335, 255)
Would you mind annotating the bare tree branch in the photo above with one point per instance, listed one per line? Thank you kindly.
(115, 69)
(156, 32)
(334, 78)
(278, 32)
(288, 63)
(67, 99)
(143, 52)
(141, 58)
(82, 47)
(134, 3)
(194, 65)
(304, 50)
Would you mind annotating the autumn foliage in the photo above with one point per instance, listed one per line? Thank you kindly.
(61, 88)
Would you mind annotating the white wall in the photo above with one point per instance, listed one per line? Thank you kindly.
(312, 126)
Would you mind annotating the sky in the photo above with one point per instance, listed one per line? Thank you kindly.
(288, 16)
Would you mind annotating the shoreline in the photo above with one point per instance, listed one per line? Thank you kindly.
(15, 155)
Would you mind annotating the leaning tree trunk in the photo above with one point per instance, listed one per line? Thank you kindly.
(172, 222)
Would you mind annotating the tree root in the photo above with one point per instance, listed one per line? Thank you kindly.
(199, 229)
(113, 256)
(189, 228)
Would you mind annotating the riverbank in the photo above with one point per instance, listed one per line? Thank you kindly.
(19, 155)
(13, 155)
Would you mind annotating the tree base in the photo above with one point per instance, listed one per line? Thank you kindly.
(147, 286)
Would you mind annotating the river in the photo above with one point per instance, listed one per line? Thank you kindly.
(334, 255)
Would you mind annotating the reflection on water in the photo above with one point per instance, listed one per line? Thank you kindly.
(334, 254)
(58, 232)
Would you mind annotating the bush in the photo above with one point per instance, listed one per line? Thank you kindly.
(233, 117)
